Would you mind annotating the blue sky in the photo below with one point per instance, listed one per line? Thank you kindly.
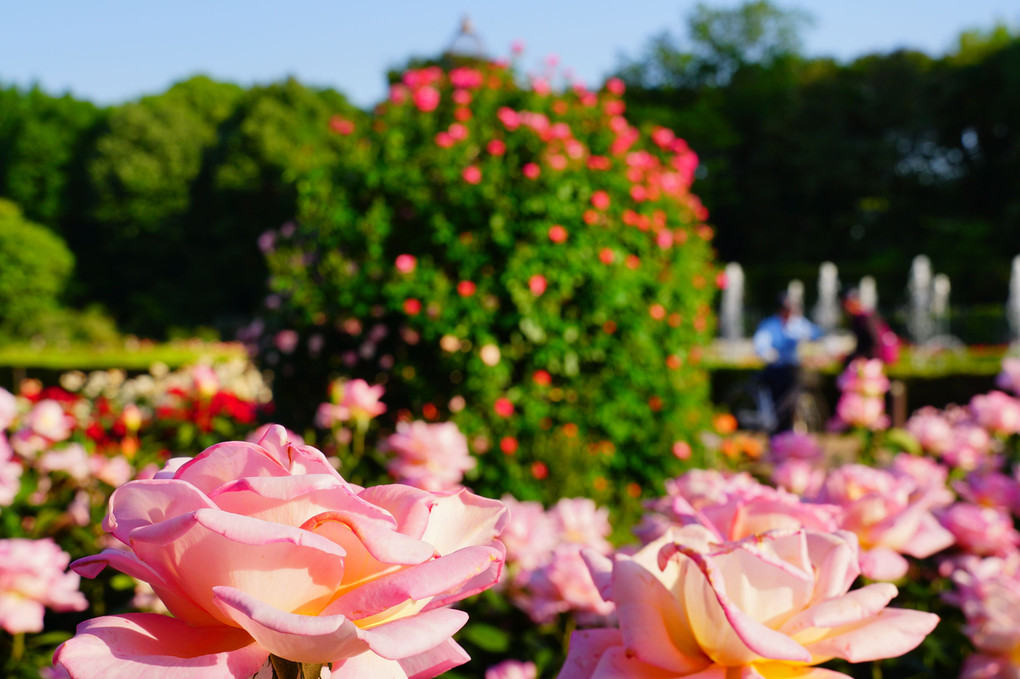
(110, 51)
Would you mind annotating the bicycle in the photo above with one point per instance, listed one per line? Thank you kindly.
(752, 404)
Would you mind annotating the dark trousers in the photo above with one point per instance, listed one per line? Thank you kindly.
(783, 383)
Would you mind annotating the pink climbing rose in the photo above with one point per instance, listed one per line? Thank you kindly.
(260, 549)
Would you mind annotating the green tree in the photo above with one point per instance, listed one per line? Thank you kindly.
(274, 139)
(35, 266)
(42, 141)
(136, 246)
(718, 43)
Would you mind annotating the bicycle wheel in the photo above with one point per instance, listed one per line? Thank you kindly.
(751, 404)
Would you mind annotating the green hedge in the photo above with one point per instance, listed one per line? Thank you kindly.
(35, 265)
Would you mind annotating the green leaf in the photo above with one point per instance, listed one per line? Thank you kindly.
(487, 637)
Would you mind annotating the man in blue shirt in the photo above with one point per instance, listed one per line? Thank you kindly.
(776, 340)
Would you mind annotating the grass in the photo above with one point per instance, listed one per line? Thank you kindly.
(915, 362)
(131, 354)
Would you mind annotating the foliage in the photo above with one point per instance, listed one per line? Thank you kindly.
(721, 42)
(803, 160)
(865, 164)
(522, 251)
(35, 265)
(43, 140)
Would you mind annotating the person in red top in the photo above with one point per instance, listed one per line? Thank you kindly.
(866, 326)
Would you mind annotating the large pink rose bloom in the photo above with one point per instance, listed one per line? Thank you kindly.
(891, 516)
(263, 548)
(32, 578)
(766, 607)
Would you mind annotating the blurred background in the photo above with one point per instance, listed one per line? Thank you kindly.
(158, 141)
(532, 238)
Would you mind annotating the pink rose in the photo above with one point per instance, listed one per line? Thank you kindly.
(562, 584)
(866, 412)
(744, 510)
(362, 400)
(923, 471)
(971, 447)
(889, 514)
(33, 578)
(988, 593)
(71, 460)
(548, 575)
(257, 435)
(426, 98)
(798, 477)
(702, 486)
(113, 471)
(580, 521)
(47, 419)
(262, 549)
(864, 376)
(997, 412)
(405, 263)
(989, 488)
(763, 607)
(8, 408)
(792, 445)
(432, 457)
(10, 474)
(931, 429)
(512, 669)
(328, 415)
(205, 381)
(1008, 379)
(537, 284)
(530, 535)
(984, 531)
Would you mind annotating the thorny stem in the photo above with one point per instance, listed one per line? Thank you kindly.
(288, 669)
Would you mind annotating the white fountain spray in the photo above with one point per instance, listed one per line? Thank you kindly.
(826, 311)
(869, 293)
(940, 305)
(731, 313)
(1013, 303)
(795, 295)
(919, 319)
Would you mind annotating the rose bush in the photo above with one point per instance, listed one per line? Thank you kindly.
(522, 249)
(263, 550)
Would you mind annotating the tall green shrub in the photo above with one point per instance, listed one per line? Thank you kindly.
(34, 269)
(520, 260)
